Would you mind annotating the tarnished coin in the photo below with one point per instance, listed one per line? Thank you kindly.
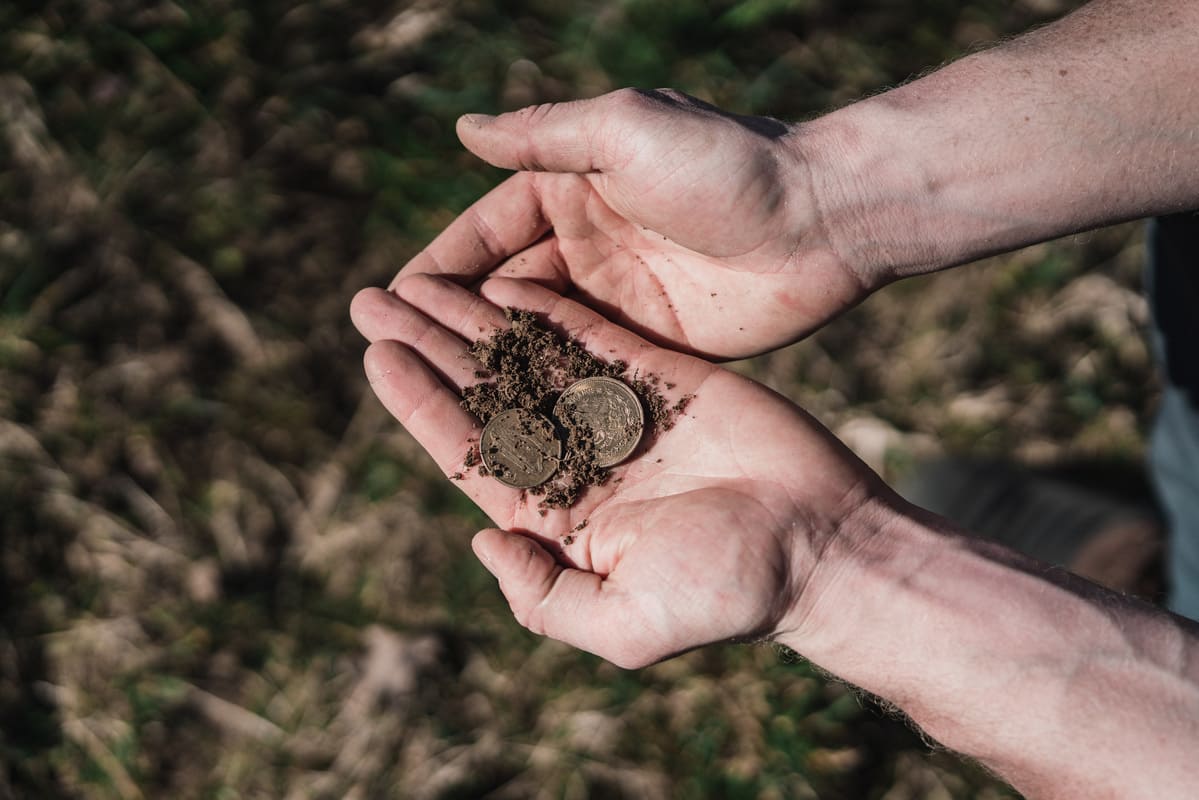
(520, 448)
(611, 410)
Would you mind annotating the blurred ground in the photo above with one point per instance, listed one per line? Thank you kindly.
(225, 573)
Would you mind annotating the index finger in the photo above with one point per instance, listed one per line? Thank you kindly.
(500, 224)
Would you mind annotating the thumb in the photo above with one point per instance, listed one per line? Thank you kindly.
(579, 136)
(570, 605)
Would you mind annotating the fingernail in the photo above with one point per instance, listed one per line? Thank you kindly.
(483, 557)
(477, 120)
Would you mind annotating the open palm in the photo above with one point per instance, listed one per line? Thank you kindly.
(686, 224)
(708, 532)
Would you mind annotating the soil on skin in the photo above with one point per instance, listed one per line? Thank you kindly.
(528, 366)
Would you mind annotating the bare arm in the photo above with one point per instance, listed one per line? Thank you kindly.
(749, 520)
(1063, 688)
(1088, 121)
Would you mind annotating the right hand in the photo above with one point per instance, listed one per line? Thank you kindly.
(716, 529)
(694, 227)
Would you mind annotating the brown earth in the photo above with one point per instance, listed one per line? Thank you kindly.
(528, 366)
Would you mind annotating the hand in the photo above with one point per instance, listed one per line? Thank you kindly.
(707, 220)
(712, 532)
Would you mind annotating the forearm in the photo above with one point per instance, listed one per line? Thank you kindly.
(1064, 689)
(1089, 121)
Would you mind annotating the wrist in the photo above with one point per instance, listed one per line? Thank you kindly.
(902, 184)
(941, 624)
(1027, 141)
(832, 567)
(844, 167)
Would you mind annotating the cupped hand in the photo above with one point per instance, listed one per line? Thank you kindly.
(696, 228)
(712, 530)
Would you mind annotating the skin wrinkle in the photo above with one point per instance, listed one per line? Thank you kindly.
(596, 145)
(784, 542)
(583, 332)
(487, 237)
(553, 584)
(820, 218)
(782, 599)
(595, 210)
(557, 261)
(533, 182)
(681, 330)
(851, 535)
(730, 423)
(462, 324)
(628, 145)
(529, 157)
(413, 415)
(681, 165)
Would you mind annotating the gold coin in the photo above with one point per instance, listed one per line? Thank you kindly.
(611, 410)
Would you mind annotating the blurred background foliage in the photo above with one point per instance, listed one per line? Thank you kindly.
(226, 573)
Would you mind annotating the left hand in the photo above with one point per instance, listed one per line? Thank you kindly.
(711, 531)
(699, 229)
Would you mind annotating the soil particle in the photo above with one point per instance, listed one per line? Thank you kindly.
(528, 366)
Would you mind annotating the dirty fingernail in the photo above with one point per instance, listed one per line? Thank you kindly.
(477, 120)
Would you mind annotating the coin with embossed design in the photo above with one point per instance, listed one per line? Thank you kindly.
(520, 448)
(611, 410)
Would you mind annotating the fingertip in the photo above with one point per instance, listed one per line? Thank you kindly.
(550, 137)
(381, 359)
(513, 554)
(364, 307)
(470, 126)
(474, 121)
(484, 544)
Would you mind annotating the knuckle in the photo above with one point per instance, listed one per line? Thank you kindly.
(533, 115)
(628, 99)
(530, 619)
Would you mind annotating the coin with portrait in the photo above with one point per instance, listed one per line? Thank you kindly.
(610, 410)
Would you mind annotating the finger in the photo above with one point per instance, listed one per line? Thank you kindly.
(580, 608)
(500, 224)
(429, 410)
(452, 306)
(580, 136)
(380, 315)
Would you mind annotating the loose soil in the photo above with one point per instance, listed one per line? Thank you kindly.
(528, 366)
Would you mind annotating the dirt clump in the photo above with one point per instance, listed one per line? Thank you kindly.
(528, 366)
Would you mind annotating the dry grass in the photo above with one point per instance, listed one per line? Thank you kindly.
(225, 573)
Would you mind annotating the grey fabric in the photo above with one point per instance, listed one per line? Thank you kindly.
(1036, 514)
